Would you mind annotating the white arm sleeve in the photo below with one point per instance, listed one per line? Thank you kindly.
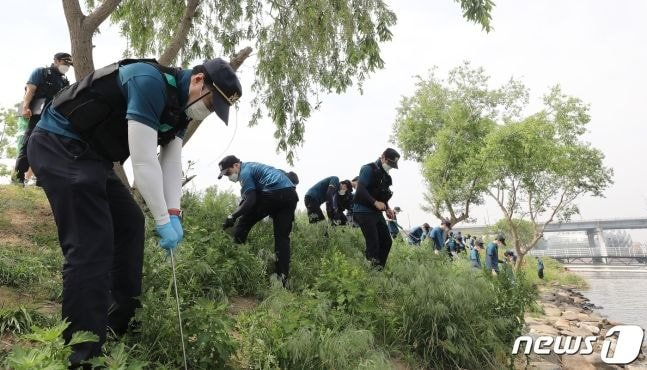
(142, 142)
(171, 162)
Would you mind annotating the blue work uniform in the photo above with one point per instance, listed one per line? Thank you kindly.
(143, 88)
(48, 82)
(100, 226)
(323, 191)
(475, 258)
(492, 257)
(273, 195)
(437, 236)
(416, 235)
(370, 219)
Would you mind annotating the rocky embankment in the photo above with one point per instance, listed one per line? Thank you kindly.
(568, 313)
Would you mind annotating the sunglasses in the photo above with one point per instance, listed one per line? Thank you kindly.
(231, 100)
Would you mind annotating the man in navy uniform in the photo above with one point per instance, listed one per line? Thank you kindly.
(325, 191)
(266, 191)
(371, 199)
(42, 85)
(122, 110)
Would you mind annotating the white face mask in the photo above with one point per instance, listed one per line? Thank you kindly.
(386, 167)
(342, 192)
(63, 68)
(233, 177)
(197, 111)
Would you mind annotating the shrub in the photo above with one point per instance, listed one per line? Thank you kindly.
(50, 351)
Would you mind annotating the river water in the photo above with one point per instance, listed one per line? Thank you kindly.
(621, 291)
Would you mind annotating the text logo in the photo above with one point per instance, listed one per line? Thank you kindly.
(627, 348)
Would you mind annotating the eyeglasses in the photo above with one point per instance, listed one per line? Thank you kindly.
(231, 100)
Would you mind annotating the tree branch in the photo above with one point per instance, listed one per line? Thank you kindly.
(180, 34)
(237, 59)
(73, 12)
(100, 14)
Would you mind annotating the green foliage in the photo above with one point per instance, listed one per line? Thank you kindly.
(206, 327)
(303, 332)
(539, 166)
(338, 313)
(553, 272)
(50, 351)
(20, 269)
(118, 359)
(525, 230)
(16, 321)
(450, 315)
(443, 126)
(9, 121)
(304, 48)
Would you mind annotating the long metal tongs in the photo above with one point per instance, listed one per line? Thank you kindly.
(177, 301)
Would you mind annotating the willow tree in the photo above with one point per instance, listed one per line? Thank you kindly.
(540, 166)
(443, 125)
(303, 48)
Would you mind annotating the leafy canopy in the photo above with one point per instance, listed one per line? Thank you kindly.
(303, 48)
(443, 126)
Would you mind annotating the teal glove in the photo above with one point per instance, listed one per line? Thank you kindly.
(168, 236)
(177, 226)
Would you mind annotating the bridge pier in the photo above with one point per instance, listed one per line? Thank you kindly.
(600, 244)
(603, 245)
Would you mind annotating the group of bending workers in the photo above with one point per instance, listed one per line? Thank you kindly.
(139, 109)
(441, 237)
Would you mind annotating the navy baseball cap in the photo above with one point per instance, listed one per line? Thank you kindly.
(225, 86)
(66, 57)
(392, 157)
(226, 163)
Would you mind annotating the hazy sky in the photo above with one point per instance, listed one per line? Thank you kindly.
(595, 49)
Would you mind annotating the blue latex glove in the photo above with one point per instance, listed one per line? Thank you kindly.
(168, 236)
(177, 226)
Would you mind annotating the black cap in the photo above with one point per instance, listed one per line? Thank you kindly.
(225, 86)
(226, 163)
(446, 223)
(392, 157)
(66, 57)
(397, 209)
(500, 238)
(293, 177)
(479, 242)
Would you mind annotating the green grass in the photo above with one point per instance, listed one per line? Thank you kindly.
(338, 313)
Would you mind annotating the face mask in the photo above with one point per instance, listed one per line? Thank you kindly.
(386, 167)
(342, 192)
(233, 177)
(63, 68)
(197, 111)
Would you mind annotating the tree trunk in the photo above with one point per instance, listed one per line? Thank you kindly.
(80, 39)
(520, 257)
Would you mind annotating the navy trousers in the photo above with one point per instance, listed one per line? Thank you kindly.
(377, 236)
(22, 163)
(280, 205)
(101, 233)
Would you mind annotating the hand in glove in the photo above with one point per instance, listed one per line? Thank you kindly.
(229, 222)
(168, 236)
(177, 226)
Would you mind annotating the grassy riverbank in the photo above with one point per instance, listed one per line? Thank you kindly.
(423, 311)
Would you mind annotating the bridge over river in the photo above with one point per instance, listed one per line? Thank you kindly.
(597, 251)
